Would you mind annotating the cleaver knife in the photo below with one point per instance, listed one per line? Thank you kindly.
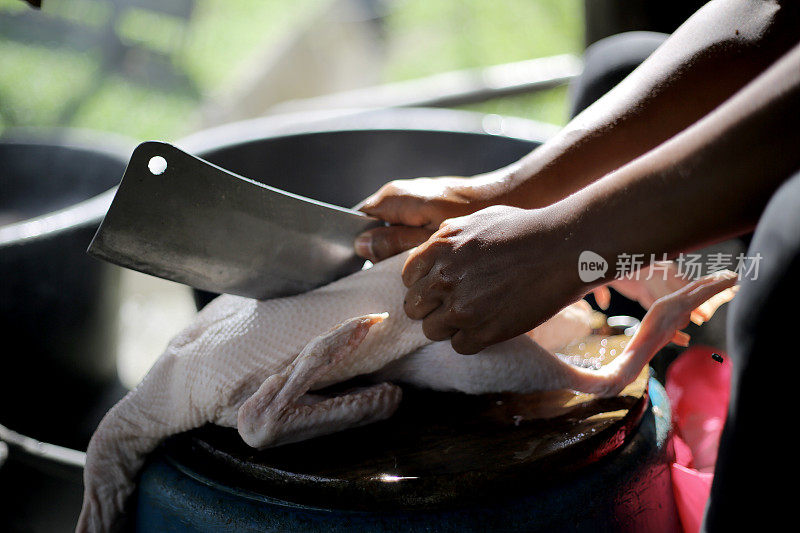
(181, 218)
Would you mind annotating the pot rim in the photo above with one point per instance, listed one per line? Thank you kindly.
(87, 212)
(92, 210)
(365, 119)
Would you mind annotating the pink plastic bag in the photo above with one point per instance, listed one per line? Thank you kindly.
(698, 387)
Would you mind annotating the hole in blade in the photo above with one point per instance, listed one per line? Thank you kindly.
(157, 165)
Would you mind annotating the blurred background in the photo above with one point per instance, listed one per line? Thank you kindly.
(83, 81)
(125, 71)
(154, 69)
(161, 69)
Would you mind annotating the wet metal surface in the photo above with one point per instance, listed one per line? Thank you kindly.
(181, 218)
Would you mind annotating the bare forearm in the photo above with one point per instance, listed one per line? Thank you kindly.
(496, 273)
(719, 50)
(709, 182)
(715, 53)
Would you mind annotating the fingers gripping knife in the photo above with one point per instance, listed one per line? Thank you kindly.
(181, 218)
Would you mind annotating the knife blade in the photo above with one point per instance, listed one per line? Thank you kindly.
(181, 218)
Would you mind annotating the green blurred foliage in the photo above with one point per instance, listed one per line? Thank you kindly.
(226, 33)
(429, 36)
(145, 114)
(547, 106)
(40, 81)
(36, 81)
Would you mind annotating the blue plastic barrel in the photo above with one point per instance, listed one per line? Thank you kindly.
(629, 490)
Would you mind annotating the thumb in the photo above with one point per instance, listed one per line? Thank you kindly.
(403, 210)
(380, 243)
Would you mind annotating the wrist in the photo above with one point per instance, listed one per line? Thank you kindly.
(499, 187)
(614, 229)
(556, 240)
(534, 182)
(586, 240)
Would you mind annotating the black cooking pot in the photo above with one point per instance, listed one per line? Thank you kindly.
(342, 159)
(58, 317)
(58, 306)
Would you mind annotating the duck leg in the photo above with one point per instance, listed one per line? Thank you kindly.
(281, 410)
(521, 365)
(696, 301)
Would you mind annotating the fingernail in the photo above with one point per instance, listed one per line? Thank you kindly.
(363, 246)
(365, 204)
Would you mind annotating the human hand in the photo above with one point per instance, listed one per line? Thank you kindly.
(415, 208)
(492, 275)
(652, 282)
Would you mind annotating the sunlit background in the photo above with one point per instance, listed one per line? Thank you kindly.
(86, 73)
(162, 69)
(158, 69)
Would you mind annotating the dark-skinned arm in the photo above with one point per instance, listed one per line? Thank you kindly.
(713, 54)
(489, 276)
